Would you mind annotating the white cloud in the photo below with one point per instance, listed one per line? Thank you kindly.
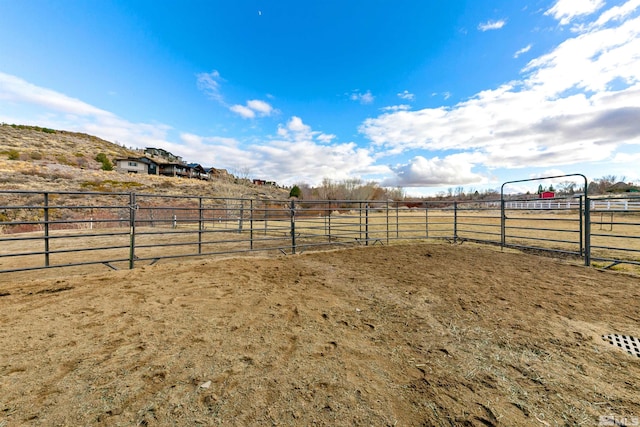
(363, 98)
(260, 107)
(407, 95)
(401, 107)
(566, 10)
(15, 89)
(209, 83)
(491, 25)
(525, 49)
(297, 154)
(296, 130)
(254, 108)
(325, 138)
(243, 111)
(435, 172)
(445, 95)
(59, 111)
(580, 102)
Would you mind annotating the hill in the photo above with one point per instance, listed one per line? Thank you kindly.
(42, 159)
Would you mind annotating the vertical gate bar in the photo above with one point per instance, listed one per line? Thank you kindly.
(293, 226)
(502, 223)
(132, 229)
(455, 222)
(587, 230)
(360, 220)
(251, 224)
(397, 220)
(580, 209)
(329, 221)
(426, 220)
(241, 215)
(366, 224)
(387, 221)
(46, 229)
(200, 225)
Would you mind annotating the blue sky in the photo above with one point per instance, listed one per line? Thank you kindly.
(424, 95)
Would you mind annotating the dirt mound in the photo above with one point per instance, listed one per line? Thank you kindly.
(427, 334)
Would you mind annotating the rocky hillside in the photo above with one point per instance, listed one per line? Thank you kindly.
(35, 158)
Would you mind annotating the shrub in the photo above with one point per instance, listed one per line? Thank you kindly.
(36, 155)
(295, 192)
(106, 163)
(14, 155)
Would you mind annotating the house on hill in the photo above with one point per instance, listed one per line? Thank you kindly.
(142, 165)
(175, 169)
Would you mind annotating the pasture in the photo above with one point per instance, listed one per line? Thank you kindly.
(419, 333)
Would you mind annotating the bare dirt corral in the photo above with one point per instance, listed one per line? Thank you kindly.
(423, 334)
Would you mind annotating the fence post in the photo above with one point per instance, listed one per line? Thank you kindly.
(580, 210)
(46, 229)
(502, 223)
(251, 224)
(397, 220)
(200, 225)
(387, 221)
(426, 221)
(587, 231)
(455, 222)
(132, 229)
(329, 222)
(366, 224)
(360, 220)
(293, 226)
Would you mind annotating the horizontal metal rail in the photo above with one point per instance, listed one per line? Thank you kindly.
(40, 229)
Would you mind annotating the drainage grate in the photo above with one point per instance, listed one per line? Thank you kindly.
(629, 344)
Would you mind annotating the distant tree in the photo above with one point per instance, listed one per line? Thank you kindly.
(295, 192)
(567, 187)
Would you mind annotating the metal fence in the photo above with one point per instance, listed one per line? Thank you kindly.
(121, 230)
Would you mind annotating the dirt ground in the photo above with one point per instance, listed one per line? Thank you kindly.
(420, 334)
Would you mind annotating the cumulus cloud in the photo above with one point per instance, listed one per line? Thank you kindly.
(261, 107)
(566, 10)
(243, 111)
(492, 25)
(363, 98)
(422, 172)
(296, 154)
(297, 130)
(580, 102)
(253, 108)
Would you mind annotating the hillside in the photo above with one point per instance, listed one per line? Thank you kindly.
(34, 158)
